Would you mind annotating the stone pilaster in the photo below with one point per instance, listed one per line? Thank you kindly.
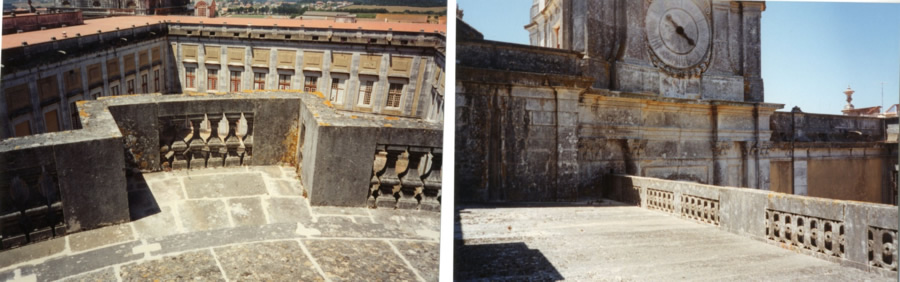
(753, 84)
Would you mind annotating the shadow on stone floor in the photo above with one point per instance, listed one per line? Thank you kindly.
(141, 202)
(502, 262)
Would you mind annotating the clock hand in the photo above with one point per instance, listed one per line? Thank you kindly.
(680, 30)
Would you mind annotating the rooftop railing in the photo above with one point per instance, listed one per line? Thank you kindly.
(863, 235)
(64, 182)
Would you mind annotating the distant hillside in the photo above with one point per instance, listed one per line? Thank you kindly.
(410, 3)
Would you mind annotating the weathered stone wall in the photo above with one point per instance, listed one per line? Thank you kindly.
(79, 173)
(807, 127)
(518, 141)
(847, 232)
(275, 123)
(339, 149)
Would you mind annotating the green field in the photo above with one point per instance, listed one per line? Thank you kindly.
(248, 16)
(394, 9)
(365, 16)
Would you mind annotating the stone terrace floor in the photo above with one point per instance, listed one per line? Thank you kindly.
(228, 224)
(613, 242)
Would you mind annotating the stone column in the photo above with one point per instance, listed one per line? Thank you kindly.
(720, 162)
(567, 144)
(64, 102)
(800, 171)
(753, 83)
(37, 115)
(104, 72)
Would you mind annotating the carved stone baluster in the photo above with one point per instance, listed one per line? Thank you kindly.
(51, 194)
(248, 142)
(184, 134)
(378, 166)
(432, 192)
(390, 181)
(233, 142)
(198, 144)
(20, 195)
(217, 150)
(241, 132)
(167, 135)
(411, 181)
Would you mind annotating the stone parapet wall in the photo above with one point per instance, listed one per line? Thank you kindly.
(827, 128)
(862, 235)
(30, 22)
(58, 183)
(859, 234)
(379, 158)
(519, 58)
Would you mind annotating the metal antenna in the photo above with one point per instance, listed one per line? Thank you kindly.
(882, 98)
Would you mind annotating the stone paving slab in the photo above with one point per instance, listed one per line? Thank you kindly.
(611, 242)
(222, 185)
(359, 260)
(149, 227)
(168, 190)
(106, 274)
(65, 266)
(198, 215)
(270, 261)
(100, 237)
(287, 188)
(254, 231)
(33, 251)
(246, 211)
(196, 266)
(287, 209)
(424, 256)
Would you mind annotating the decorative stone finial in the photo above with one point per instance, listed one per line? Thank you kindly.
(849, 92)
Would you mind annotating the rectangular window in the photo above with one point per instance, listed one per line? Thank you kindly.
(235, 81)
(156, 80)
(337, 90)
(284, 81)
(51, 121)
(114, 90)
(144, 84)
(310, 85)
(131, 86)
(395, 92)
(212, 79)
(365, 92)
(259, 81)
(189, 77)
(23, 129)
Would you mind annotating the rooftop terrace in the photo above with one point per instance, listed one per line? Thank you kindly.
(243, 223)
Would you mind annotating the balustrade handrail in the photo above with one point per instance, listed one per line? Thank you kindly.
(860, 234)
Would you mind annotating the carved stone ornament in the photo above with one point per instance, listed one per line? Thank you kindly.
(679, 37)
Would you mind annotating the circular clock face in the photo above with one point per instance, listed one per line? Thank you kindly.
(677, 32)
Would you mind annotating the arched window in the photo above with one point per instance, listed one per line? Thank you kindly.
(96, 4)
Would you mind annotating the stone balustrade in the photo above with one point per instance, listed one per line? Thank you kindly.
(863, 235)
(69, 181)
(406, 177)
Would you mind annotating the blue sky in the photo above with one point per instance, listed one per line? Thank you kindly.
(811, 51)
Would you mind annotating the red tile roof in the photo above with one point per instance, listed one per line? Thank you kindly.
(109, 24)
